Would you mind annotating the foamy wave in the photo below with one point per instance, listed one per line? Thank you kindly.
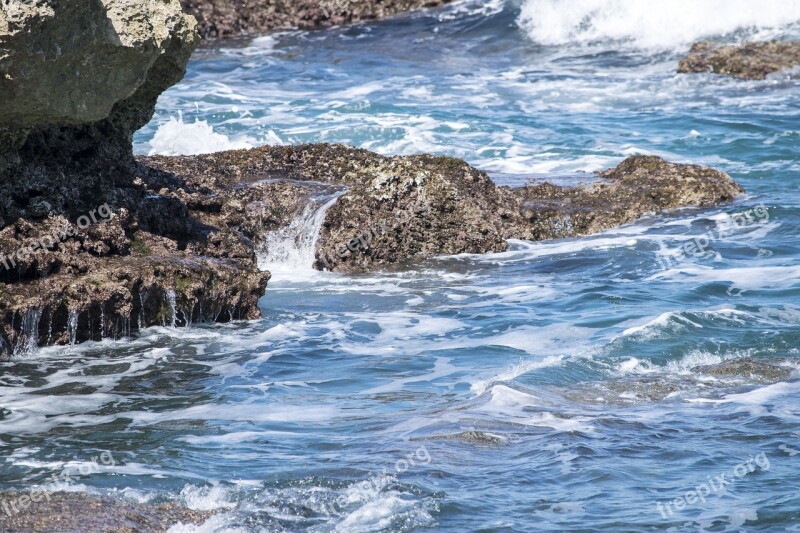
(661, 25)
(176, 137)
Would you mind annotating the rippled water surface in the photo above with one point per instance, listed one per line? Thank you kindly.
(551, 387)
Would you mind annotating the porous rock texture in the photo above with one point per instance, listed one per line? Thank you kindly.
(749, 61)
(229, 18)
(73, 512)
(77, 79)
(403, 209)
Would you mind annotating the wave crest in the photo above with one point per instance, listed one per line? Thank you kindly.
(667, 24)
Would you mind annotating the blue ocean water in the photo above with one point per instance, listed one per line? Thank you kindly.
(547, 388)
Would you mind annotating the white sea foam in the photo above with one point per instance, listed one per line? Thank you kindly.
(666, 24)
(176, 137)
(517, 370)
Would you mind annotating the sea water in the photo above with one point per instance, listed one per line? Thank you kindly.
(549, 387)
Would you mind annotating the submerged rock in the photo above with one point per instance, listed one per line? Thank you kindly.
(227, 18)
(747, 369)
(74, 512)
(749, 61)
(727, 376)
(480, 438)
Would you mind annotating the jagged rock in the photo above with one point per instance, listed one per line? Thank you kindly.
(187, 251)
(638, 185)
(88, 249)
(401, 209)
(77, 511)
(750, 61)
(227, 18)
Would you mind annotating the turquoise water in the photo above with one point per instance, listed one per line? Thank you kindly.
(569, 362)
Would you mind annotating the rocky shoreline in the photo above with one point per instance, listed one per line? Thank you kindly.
(96, 244)
(230, 18)
(748, 61)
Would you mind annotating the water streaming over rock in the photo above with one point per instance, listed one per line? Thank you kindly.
(289, 252)
(72, 326)
(28, 340)
(173, 318)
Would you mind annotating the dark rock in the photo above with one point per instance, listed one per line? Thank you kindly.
(88, 250)
(638, 185)
(227, 18)
(749, 61)
(77, 512)
(401, 209)
(183, 247)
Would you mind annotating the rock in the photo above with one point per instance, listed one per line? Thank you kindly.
(749, 61)
(89, 249)
(480, 438)
(746, 368)
(228, 18)
(185, 251)
(638, 185)
(73, 512)
(78, 78)
(401, 209)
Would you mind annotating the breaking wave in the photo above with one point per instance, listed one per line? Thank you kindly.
(665, 25)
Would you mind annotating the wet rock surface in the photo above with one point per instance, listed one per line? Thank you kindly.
(228, 18)
(749, 61)
(478, 438)
(397, 210)
(93, 245)
(180, 245)
(751, 370)
(76, 512)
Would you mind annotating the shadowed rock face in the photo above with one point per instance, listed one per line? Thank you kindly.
(750, 61)
(74, 512)
(228, 18)
(77, 79)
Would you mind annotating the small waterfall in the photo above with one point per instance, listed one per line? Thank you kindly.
(141, 312)
(173, 308)
(72, 326)
(289, 251)
(28, 340)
